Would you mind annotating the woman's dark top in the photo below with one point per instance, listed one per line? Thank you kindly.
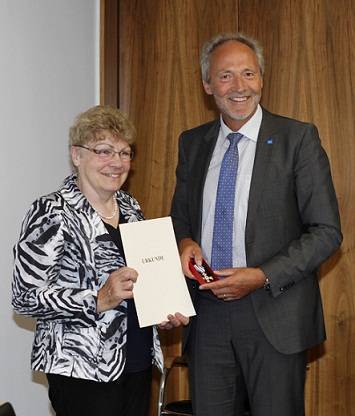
(139, 340)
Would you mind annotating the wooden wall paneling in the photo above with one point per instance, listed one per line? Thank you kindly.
(161, 90)
(336, 87)
(329, 47)
(146, 88)
(109, 52)
(149, 96)
(160, 85)
(274, 24)
(310, 76)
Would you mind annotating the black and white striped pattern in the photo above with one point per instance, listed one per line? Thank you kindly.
(63, 257)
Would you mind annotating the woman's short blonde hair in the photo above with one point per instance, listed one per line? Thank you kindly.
(87, 125)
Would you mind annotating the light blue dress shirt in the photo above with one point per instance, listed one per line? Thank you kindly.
(246, 148)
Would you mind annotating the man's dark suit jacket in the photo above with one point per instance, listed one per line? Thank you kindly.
(292, 222)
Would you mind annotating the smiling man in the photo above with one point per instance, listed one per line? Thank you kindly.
(235, 81)
(254, 197)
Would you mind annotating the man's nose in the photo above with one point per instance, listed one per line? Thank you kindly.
(239, 83)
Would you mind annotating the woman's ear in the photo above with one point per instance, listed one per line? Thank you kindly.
(75, 155)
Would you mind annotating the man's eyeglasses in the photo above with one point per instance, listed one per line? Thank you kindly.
(106, 152)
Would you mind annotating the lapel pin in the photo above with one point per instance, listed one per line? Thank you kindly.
(269, 141)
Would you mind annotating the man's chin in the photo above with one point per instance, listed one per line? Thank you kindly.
(242, 116)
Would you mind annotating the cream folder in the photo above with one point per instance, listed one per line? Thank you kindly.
(150, 248)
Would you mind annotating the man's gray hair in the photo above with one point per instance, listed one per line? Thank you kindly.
(218, 40)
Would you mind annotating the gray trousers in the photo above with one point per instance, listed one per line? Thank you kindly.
(231, 362)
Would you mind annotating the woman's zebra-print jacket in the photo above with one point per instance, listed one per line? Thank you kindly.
(63, 257)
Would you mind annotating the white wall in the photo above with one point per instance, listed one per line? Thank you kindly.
(49, 52)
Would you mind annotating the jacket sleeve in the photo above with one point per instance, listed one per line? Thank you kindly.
(38, 275)
(318, 213)
(179, 209)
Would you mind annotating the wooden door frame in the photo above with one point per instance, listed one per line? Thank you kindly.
(109, 52)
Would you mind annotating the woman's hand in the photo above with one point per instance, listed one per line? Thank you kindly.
(118, 286)
(174, 321)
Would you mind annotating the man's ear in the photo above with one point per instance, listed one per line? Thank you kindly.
(75, 155)
(207, 87)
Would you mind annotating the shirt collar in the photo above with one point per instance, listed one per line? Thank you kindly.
(250, 129)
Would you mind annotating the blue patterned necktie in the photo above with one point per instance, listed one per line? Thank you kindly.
(222, 243)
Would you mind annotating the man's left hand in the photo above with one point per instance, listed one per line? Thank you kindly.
(237, 282)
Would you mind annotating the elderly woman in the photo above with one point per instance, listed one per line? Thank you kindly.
(70, 274)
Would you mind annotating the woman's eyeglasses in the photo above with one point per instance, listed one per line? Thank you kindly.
(106, 152)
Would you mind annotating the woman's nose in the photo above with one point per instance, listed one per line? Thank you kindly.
(116, 159)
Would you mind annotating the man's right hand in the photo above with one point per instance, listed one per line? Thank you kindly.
(189, 249)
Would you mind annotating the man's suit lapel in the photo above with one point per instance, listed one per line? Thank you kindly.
(267, 140)
(199, 172)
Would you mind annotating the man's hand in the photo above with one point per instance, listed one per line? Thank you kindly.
(117, 287)
(189, 249)
(174, 321)
(237, 283)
